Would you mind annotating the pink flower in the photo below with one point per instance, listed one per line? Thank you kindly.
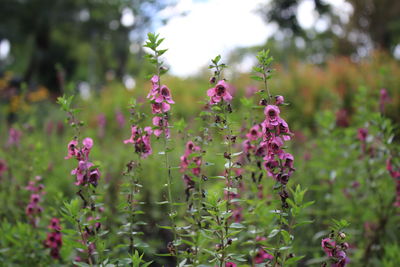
(261, 256)
(247, 146)
(54, 239)
(155, 87)
(162, 126)
(134, 134)
(219, 92)
(187, 158)
(279, 100)
(271, 165)
(94, 177)
(254, 133)
(82, 172)
(141, 140)
(160, 107)
(362, 134)
(72, 149)
(274, 145)
(283, 130)
(328, 245)
(165, 95)
(272, 113)
(230, 264)
(55, 224)
(288, 160)
(35, 198)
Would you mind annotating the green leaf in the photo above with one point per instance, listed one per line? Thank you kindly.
(293, 260)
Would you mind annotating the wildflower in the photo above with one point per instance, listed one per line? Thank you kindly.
(328, 245)
(230, 264)
(55, 224)
(72, 149)
(254, 133)
(164, 96)
(219, 93)
(161, 126)
(362, 134)
(141, 140)
(155, 87)
(160, 107)
(261, 256)
(54, 238)
(279, 100)
(272, 113)
(33, 209)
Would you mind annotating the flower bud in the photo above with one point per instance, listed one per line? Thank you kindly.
(213, 80)
(279, 100)
(342, 235)
(218, 247)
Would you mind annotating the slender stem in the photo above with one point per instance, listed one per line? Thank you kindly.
(84, 240)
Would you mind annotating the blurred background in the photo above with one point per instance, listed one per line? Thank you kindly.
(46, 45)
(332, 60)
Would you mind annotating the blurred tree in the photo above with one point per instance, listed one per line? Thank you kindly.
(82, 39)
(372, 24)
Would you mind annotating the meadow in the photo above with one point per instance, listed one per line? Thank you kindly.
(293, 165)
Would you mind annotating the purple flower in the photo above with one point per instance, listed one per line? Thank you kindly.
(362, 134)
(141, 140)
(261, 256)
(272, 113)
(279, 100)
(219, 93)
(328, 245)
(160, 107)
(72, 149)
(254, 133)
(161, 126)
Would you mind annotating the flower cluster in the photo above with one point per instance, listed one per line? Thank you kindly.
(396, 176)
(141, 140)
(54, 238)
(161, 100)
(191, 159)
(219, 93)
(86, 172)
(336, 251)
(273, 132)
(33, 209)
